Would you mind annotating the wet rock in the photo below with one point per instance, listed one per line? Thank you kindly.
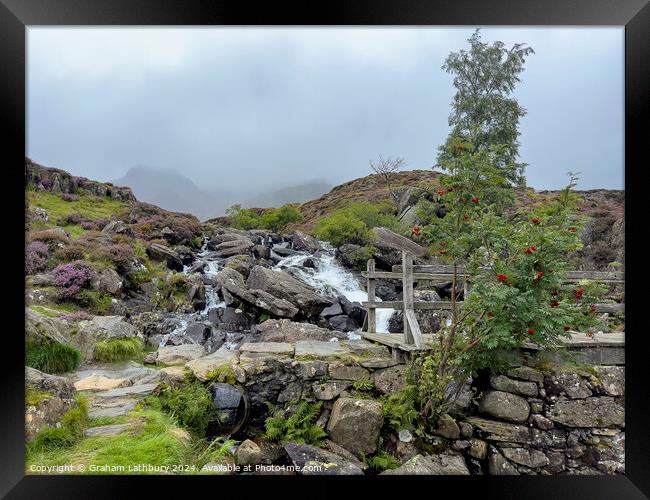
(286, 287)
(343, 323)
(233, 282)
(303, 241)
(333, 310)
(505, 406)
(232, 248)
(590, 412)
(310, 460)
(353, 309)
(355, 424)
(503, 383)
(199, 331)
(231, 318)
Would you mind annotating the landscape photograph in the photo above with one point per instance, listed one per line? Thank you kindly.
(325, 251)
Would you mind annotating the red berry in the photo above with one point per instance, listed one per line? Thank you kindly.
(535, 220)
(475, 199)
(502, 277)
(531, 331)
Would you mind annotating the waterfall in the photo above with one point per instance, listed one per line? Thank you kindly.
(331, 280)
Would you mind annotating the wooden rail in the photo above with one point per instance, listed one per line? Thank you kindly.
(446, 306)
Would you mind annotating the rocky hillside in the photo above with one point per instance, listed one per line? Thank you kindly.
(154, 339)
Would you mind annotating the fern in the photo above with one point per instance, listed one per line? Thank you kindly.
(381, 461)
(298, 428)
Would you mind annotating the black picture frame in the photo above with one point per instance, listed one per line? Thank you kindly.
(17, 15)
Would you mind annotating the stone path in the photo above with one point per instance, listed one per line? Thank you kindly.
(114, 390)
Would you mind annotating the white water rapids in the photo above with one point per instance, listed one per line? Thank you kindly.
(327, 276)
(332, 280)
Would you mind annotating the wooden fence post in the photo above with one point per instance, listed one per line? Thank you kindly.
(372, 312)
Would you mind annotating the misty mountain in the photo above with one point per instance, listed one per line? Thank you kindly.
(299, 193)
(171, 191)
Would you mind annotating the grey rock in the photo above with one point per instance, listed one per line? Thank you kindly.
(106, 430)
(609, 380)
(526, 373)
(343, 323)
(342, 371)
(529, 458)
(333, 310)
(447, 427)
(310, 460)
(477, 449)
(179, 355)
(590, 412)
(390, 380)
(503, 383)
(163, 253)
(355, 424)
(444, 465)
(569, 383)
(326, 391)
(303, 241)
(107, 281)
(275, 348)
(231, 318)
(499, 466)
(284, 330)
(541, 422)
(500, 431)
(505, 406)
(320, 350)
(202, 367)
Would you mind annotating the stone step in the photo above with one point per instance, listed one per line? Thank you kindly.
(106, 430)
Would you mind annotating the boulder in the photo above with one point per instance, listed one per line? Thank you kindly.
(55, 398)
(233, 247)
(447, 427)
(179, 354)
(261, 252)
(390, 380)
(355, 424)
(202, 367)
(252, 453)
(162, 253)
(505, 406)
(333, 310)
(526, 373)
(352, 256)
(343, 323)
(286, 287)
(503, 383)
(231, 318)
(310, 460)
(107, 281)
(233, 282)
(327, 391)
(447, 464)
(602, 411)
(303, 241)
(353, 309)
(116, 227)
(199, 331)
(284, 330)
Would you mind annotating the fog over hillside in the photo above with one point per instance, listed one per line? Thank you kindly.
(174, 191)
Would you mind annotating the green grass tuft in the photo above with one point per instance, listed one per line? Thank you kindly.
(51, 357)
(117, 350)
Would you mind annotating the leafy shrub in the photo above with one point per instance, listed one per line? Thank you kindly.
(36, 256)
(244, 218)
(191, 405)
(363, 385)
(69, 253)
(352, 224)
(51, 357)
(48, 236)
(298, 428)
(380, 461)
(119, 254)
(71, 278)
(277, 219)
(97, 302)
(116, 350)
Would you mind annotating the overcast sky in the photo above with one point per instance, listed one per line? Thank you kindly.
(244, 108)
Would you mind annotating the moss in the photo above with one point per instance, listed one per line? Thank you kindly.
(116, 350)
(224, 374)
(34, 397)
(97, 302)
(71, 430)
(51, 357)
(48, 311)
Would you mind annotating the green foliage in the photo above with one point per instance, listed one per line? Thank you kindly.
(73, 424)
(34, 397)
(191, 405)
(224, 374)
(51, 357)
(352, 224)
(380, 461)
(483, 110)
(117, 350)
(274, 219)
(298, 427)
(401, 408)
(277, 219)
(363, 385)
(94, 301)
